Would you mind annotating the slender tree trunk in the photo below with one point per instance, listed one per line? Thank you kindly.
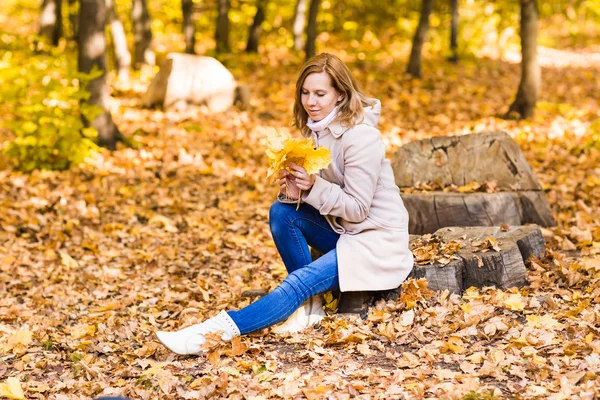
(92, 53)
(529, 87)
(142, 34)
(311, 28)
(454, 32)
(122, 55)
(51, 21)
(299, 23)
(74, 18)
(189, 30)
(222, 32)
(256, 28)
(414, 63)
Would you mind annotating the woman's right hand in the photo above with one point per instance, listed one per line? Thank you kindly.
(287, 185)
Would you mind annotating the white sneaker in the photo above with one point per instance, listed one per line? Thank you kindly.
(308, 314)
(189, 340)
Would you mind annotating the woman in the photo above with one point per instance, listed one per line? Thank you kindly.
(351, 212)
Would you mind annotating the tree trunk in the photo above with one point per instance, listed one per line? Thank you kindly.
(414, 63)
(529, 87)
(454, 32)
(122, 55)
(51, 21)
(189, 30)
(299, 23)
(311, 28)
(142, 34)
(92, 53)
(222, 32)
(256, 28)
(74, 18)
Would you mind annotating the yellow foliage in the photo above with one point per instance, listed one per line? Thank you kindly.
(282, 150)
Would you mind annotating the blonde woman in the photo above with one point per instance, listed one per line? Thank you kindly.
(351, 212)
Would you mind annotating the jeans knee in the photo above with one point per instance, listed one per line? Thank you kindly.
(295, 283)
(279, 217)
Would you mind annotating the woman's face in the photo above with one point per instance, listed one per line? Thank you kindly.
(318, 95)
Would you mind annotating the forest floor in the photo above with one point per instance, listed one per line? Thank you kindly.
(96, 259)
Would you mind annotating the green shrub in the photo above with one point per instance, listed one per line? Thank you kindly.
(41, 104)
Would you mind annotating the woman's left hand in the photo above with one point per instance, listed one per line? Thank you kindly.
(304, 180)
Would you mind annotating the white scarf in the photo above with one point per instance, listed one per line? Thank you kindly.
(321, 125)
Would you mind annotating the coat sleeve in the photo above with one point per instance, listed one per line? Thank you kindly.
(363, 156)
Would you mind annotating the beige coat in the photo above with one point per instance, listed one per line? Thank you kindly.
(358, 196)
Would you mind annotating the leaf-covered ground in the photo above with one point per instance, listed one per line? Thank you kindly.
(96, 259)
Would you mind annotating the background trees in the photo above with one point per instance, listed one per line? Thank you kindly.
(414, 62)
(92, 56)
(411, 33)
(529, 87)
(50, 22)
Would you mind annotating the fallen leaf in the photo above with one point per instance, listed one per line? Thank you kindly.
(11, 388)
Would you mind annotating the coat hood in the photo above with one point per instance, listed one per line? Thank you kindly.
(370, 117)
(372, 113)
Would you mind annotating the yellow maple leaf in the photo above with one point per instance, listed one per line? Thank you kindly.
(82, 330)
(331, 302)
(515, 302)
(414, 291)
(469, 187)
(67, 260)
(19, 341)
(282, 150)
(455, 345)
(11, 389)
(238, 347)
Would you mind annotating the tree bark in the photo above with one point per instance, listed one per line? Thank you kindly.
(189, 30)
(51, 21)
(414, 63)
(256, 28)
(92, 53)
(311, 28)
(299, 23)
(222, 32)
(122, 55)
(74, 18)
(454, 32)
(529, 87)
(142, 34)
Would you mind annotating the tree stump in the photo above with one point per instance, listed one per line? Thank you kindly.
(461, 160)
(473, 265)
(190, 79)
(429, 212)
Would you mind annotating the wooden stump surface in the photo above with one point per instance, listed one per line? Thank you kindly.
(429, 212)
(459, 160)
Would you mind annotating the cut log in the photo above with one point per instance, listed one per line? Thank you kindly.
(458, 160)
(190, 79)
(431, 211)
(472, 266)
(504, 268)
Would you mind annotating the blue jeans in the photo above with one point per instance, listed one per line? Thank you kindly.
(293, 231)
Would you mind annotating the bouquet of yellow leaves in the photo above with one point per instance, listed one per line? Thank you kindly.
(282, 150)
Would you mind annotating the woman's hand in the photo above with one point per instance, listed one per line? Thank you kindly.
(287, 185)
(304, 181)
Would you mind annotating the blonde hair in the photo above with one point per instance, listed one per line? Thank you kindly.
(350, 108)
